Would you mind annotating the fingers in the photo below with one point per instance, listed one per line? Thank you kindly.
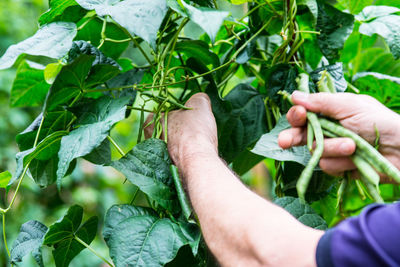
(332, 105)
(338, 147)
(297, 116)
(336, 166)
(292, 137)
(199, 101)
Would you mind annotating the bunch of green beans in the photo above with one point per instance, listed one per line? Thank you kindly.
(366, 158)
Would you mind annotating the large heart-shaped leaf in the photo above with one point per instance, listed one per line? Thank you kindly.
(29, 88)
(267, 146)
(209, 19)
(198, 49)
(53, 40)
(45, 150)
(147, 166)
(95, 123)
(29, 240)
(62, 10)
(334, 27)
(302, 212)
(136, 237)
(69, 82)
(64, 233)
(388, 27)
(336, 72)
(242, 122)
(140, 17)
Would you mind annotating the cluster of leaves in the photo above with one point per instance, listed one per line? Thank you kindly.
(92, 63)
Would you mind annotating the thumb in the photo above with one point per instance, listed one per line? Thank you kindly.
(331, 105)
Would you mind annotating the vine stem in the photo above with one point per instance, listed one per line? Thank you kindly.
(93, 251)
(4, 235)
(112, 141)
(232, 60)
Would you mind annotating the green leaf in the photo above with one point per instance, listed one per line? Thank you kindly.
(372, 12)
(267, 146)
(62, 234)
(69, 82)
(5, 178)
(245, 161)
(241, 122)
(310, 49)
(57, 8)
(53, 40)
(147, 166)
(45, 150)
(54, 121)
(133, 240)
(209, 19)
(382, 87)
(334, 27)
(29, 240)
(302, 212)
(140, 17)
(336, 71)
(29, 88)
(118, 213)
(100, 155)
(95, 123)
(281, 77)
(389, 28)
(312, 6)
(394, 3)
(198, 49)
(356, 6)
(92, 33)
(51, 71)
(84, 48)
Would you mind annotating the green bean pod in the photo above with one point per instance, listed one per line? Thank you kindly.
(306, 175)
(372, 190)
(365, 169)
(340, 192)
(330, 83)
(370, 153)
(310, 136)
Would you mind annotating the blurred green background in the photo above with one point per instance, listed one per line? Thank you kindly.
(18, 20)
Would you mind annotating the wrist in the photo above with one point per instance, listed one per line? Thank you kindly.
(193, 149)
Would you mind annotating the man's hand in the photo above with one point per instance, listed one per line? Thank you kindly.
(192, 133)
(359, 113)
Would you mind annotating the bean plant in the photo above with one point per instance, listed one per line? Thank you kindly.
(93, 63)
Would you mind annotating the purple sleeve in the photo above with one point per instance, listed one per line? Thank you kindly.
(371, 239)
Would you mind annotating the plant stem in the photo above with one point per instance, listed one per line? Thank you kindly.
(215, 4)
(85, 23)
(140, 109)
(93, 251)
(4, 235)
(141, 50)
(117, 41)
(120, 151)
(135, 195)
(37, 135)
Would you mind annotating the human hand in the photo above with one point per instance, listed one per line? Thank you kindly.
(359, 113)
(191, 132)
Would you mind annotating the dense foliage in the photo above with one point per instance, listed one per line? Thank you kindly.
(92, 64)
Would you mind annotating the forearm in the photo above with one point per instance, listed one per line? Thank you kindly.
(241, 228)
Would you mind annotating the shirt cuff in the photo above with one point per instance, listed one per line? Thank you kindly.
(323, 254)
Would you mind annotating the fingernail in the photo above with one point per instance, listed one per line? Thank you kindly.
(299, 96)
